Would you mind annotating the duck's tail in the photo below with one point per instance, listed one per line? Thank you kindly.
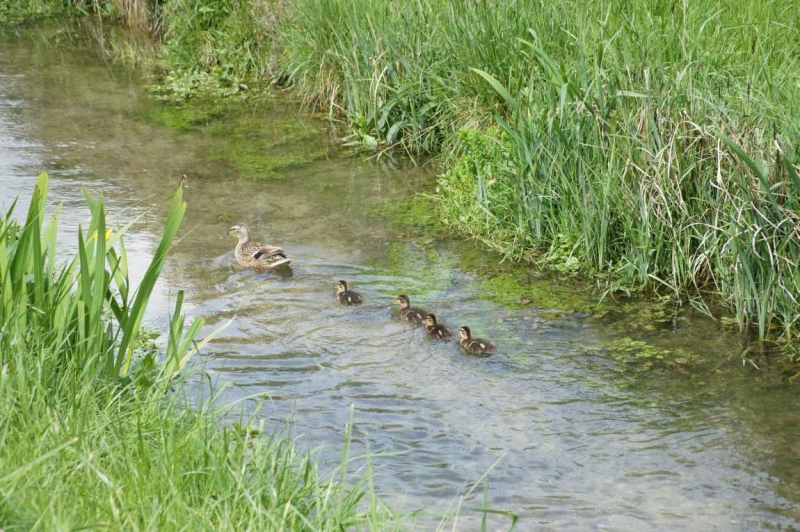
(282, 262)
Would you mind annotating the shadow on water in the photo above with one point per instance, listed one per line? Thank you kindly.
(629, 415)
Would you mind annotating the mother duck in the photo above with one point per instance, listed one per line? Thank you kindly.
(257, 256)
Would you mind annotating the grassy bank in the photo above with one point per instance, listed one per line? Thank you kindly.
(94, 426)
(652, 145)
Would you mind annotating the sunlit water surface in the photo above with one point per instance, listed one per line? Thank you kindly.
(577, 440)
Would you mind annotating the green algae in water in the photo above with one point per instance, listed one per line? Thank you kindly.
(189, 117)
(517, 289)
(641, 314)
(405, 259)
(647, 365)
(259, 149)
(411, 217)
(254, 147)
(647, 356)
(251, 163)
(631, 363)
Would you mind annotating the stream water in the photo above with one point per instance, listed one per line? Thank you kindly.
(627, 416)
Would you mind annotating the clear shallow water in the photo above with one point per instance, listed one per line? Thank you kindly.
(583, 440)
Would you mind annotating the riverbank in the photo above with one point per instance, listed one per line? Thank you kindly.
(94, 429)
(653, 149)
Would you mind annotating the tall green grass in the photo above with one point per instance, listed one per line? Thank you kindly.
(653, 144)
(98, 432)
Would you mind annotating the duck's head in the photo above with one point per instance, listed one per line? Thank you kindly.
(465, 333)
(341, 286)
(402, 300)
(430, 320)
(240, 232)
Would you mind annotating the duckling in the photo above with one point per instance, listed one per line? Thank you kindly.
(347, 297)
(440, 332)
(476, 346)
(257, 256)
(407, 312)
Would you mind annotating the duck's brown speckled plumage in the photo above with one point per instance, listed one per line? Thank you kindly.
(346, 296)
(257, 256)
(409, 313)
(436, 330)
(476, 346)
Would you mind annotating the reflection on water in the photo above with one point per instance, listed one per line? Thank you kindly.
(582, 443)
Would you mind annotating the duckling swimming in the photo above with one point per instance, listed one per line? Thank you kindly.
(256, 256)
(476, 346)
(407, 312)
(347, 297)
(440, 332)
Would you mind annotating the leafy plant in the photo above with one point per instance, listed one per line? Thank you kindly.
(68, 304)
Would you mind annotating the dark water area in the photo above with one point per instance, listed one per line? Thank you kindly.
(623, 416)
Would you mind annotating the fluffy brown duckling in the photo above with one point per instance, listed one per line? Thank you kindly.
(409, 313)
(440, 332)
(476, 346)
(346, 296)
(257, 256)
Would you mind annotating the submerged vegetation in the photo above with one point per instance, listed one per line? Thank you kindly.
(94, 426)
(248, 146)
(651, 145)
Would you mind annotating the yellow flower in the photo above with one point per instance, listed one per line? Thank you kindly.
(109, 232)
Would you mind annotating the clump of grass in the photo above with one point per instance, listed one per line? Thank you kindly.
(234, 40)
(92, 436)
